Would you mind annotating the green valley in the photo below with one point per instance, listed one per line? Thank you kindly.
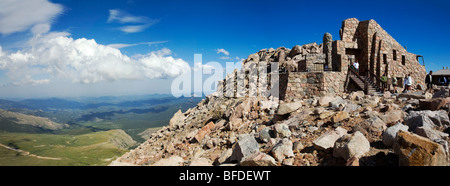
(80, 131)
(98, 148)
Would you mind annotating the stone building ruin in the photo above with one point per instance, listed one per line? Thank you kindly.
(319, 69)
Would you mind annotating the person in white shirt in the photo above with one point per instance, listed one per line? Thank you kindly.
(408, 83)
(356, 66)
(405, 84)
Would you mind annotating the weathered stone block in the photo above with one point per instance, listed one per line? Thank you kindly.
(414, 150)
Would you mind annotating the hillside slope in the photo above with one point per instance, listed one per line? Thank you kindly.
(9, 119)
(98, 148)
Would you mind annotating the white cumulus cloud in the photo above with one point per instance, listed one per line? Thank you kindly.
(56, 55)
(18, 16)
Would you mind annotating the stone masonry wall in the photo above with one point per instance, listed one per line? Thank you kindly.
(309, 84)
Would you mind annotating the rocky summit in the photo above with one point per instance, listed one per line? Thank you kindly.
(238, 131)
(326, 114)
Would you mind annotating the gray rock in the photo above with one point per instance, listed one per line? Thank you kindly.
(391, 132)
(418, 121)
(312, 129)
(200, 162)
(258, 159)
(298, 146)
(245, 146)
(335, 104)
(264, 134)
(443, 93)
(177, 120)
(393, 116)
(358, 95)
(325, 100)
(286, 108)
(351, 107)
(351, 146)
(225, 156)
(171, 161)
(432, 134)
(327, 140)
(437, 118)
(282, 131)
(372, 125)
(283, 150)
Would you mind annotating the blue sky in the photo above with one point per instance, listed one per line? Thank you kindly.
(156, 33)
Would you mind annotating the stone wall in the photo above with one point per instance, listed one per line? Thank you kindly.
(309, 84)
(377, 51)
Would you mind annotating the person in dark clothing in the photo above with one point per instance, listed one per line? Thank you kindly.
(429, 82)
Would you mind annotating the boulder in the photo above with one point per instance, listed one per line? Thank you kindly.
(253, 58)
(297, 49)
(419, 121)
(351, 107)
(225, 156)
(265, 134)
(373, 126)
(391, 132)
(351, 146)
(358, 95)
(443, 93)
(326, 114)
(327, 140)
(233, 124)
(338, 102)
(201, 162)
(258, 159)
(282, 131)
(393, 116)
(432, 104)
(283, 150)
(204, 131)
(414, 150)
(373, 101)
(177, 120)
(437, 118)
(245, 146)
(171, 161)
(432, 134)
(286, 108)
(387, 94)
(415, 95)
(340, 116)
(298, 146)
(325, 100)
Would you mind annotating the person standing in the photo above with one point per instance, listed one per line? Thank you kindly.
(405, 84)
(429, 82)
(409, 82)
(394, 83)
(356, 65)
(383, 82)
